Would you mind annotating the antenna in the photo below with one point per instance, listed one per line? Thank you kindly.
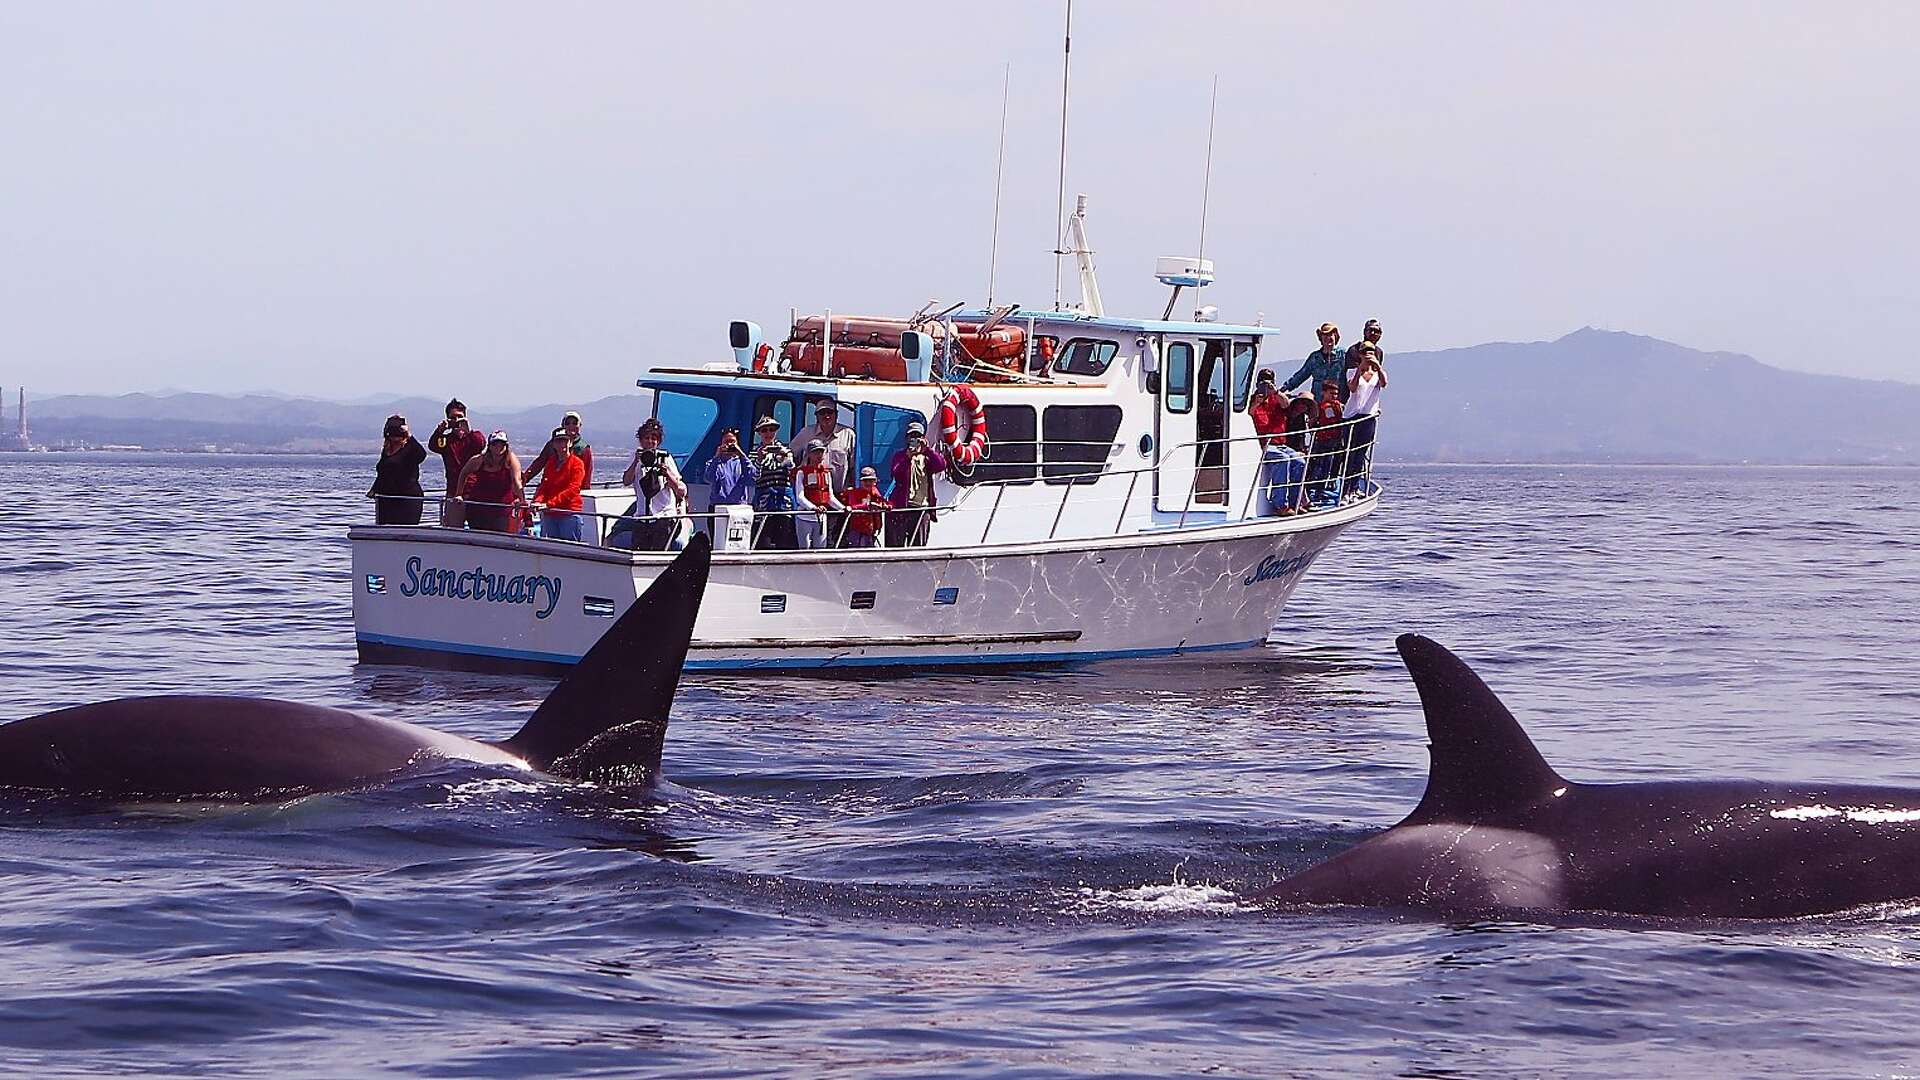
(1206, 185)
(999, 170)
(1060, 198)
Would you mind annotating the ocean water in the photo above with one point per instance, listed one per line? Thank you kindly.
(994, 875)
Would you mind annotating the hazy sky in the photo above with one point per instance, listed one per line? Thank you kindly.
(520, 203)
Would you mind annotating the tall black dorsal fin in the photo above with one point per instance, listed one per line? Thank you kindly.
(628, 677)
(1483, 762)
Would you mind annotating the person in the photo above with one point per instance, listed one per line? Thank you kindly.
(1282, 468)
(838, 440)
(729, 475)
(1369, 336)
(653, 524)
(1362, 411)
(772, 489)
(821, 511)
(558, 496)
(867, 511)
(580, 448)
(913, 470)
(456, 442)
(1323, 365)
(491, 488)
(1328, 458)
(397, 473)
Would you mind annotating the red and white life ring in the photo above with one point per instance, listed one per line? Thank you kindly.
(963, 424)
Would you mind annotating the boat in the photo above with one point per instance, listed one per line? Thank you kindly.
(1105, 500)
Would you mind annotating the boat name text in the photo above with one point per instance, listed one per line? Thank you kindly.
(477, 584)
(1273, 567)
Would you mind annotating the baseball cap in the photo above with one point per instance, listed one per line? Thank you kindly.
(916, 428)
(815, 444)
(869, 474)
(823, 405)
(497, 437)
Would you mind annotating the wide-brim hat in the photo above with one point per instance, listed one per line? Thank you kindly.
(765, 422)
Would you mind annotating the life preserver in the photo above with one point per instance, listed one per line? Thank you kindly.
(963, 424)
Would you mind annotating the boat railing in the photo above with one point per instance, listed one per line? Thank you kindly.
(1330, 473)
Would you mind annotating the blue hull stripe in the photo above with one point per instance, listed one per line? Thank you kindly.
(943, 659)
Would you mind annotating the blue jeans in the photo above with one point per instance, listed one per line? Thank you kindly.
(561, 525)
(1283, 476)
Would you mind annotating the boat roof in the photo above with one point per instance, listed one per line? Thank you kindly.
(1142, 326)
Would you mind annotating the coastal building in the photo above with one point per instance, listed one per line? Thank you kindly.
(10, 438)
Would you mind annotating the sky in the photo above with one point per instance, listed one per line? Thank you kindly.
(520, 203)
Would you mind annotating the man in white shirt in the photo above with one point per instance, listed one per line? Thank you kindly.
(837, 439)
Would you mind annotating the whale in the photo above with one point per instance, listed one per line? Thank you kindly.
(1499, 831)
(605, 721)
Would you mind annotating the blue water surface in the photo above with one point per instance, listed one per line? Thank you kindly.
(990, 875)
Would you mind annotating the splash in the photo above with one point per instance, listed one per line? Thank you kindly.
(1177, 897)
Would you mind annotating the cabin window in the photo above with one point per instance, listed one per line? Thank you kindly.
(781, 409)
(1011, 430)
(1078, 440)
(1179, 377)
(1084, 356)
(687, 418)
(1245, 357)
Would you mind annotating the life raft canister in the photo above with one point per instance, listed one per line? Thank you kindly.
(963, 424)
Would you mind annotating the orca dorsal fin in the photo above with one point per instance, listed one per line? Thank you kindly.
(628, 678)
(1482, 761)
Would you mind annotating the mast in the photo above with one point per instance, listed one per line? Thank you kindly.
(1060, 196)
(999, 171)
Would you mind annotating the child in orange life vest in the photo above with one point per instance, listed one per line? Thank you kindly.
(868, 508)
(813, 491)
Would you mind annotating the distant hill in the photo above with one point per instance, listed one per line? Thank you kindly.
(1603, 396)
(1591, 396)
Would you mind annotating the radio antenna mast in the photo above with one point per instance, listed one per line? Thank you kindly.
(1206, 185)
(999, 171)
(1060, 198)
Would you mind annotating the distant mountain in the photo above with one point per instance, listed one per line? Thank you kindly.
(1603, 396)
(1591, 396)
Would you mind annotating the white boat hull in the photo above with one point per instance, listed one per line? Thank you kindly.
(445, 597)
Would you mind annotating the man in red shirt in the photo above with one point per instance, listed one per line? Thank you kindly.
(1282, 468)
(558, 496)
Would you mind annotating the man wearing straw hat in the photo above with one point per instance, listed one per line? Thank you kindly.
(1323, 365)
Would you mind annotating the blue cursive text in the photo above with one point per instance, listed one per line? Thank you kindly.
(477, 584)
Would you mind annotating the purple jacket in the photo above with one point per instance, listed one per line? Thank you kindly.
(936, 464)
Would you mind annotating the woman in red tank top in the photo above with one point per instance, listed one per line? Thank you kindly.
(490, 484)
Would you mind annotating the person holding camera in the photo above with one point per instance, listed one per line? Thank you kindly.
(397, 474)
(658, 489)
(583, 450)
(913, 497)
(729, 474)
(456, 442)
